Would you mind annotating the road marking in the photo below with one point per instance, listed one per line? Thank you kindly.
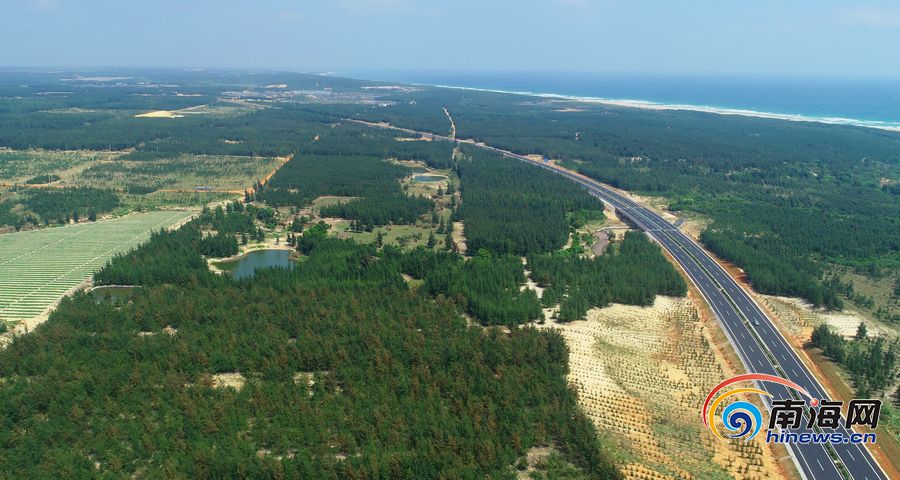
(635, 211)
(820, 465)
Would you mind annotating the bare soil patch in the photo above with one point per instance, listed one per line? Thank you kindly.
(642, 373)
(459, 236)
(233, 380)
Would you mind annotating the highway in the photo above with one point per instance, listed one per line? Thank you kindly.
(760, 347)
(758, 343)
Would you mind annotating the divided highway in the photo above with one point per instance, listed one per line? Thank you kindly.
(758, 343)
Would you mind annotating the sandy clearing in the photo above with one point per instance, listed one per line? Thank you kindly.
(452, 124)
(233, 380)
(459, 236)
(602, 241)
(529, 283)
(159, 114)
(800, 317)
(641, 374)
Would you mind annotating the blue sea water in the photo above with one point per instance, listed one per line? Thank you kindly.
(874, 102)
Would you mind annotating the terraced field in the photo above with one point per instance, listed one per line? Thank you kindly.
(38, 267)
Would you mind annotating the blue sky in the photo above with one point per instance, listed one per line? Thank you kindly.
(763, 37)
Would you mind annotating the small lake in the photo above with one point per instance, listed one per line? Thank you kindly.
(245, 266)
(112, 294)
(425, 178)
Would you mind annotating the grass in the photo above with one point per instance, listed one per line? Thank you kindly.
(427, 189)
(37, 267)
(329, 200)
(410, 236)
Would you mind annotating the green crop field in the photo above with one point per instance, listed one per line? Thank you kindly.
(37, 267)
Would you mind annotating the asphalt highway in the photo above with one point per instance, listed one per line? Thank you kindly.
(758, 343)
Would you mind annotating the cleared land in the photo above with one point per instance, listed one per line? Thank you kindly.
(17, 166)
(38, 267)
(182, 172)
(797, 319)
(641, 374)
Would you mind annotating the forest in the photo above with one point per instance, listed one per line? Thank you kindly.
(634, 273)
(485, 286)
(373, 180)
(871, 361)
(42, 206)
(786, 199)
(383, 381)
(176, 257)
(376, 361)
(383, 209)
(510, 207)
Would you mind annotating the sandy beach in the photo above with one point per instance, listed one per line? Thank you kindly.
(647, 105)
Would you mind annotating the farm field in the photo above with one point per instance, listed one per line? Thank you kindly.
(37, 267)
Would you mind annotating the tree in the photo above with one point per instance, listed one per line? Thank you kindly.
(431, 240)
(379, 239)
(861, 331)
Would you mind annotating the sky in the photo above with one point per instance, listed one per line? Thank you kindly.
(807, 38)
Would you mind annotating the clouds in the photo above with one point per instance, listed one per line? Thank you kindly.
(869, 17)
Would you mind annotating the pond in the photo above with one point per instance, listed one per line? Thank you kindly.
(112, 293)
(425, 178)
(246, 265)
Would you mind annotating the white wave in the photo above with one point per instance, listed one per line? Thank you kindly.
(648, 105)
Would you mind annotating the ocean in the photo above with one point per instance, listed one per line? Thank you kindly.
(872, 103)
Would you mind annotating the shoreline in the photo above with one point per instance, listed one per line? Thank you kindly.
(650, 105)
